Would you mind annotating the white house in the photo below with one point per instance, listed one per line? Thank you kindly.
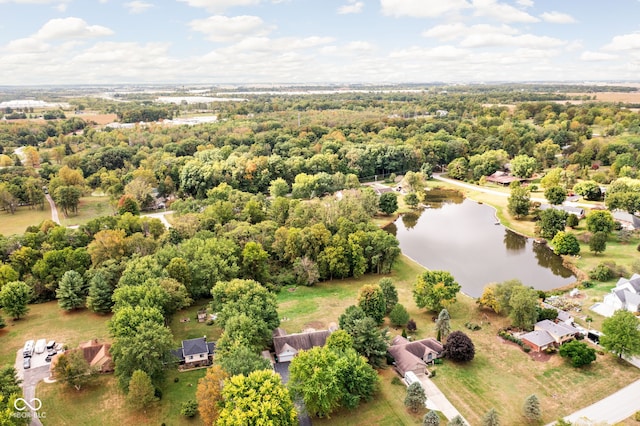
(625, 295)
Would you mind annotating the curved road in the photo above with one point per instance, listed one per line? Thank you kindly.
(439, 177)
(54, 209)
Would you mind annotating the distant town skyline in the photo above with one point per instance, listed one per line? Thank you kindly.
(317, 41)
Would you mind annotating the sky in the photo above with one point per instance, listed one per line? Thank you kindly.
(317, 41)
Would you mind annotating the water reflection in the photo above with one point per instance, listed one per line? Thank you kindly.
(437, 198)
(548, 259)
(409, 220)
(461, 237)
(514, 242)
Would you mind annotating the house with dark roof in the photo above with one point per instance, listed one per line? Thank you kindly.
(502, 178)
(195, 352)
(414, 356)
(96, 354)
(287, 346)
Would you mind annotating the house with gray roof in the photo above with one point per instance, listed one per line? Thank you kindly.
(625, 295)
(414, 356)
(287, 346)
(195, 352)
(548, 334)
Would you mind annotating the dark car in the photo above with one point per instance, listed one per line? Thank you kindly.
(26, 363)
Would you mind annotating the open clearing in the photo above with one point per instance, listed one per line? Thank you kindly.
(11, 224)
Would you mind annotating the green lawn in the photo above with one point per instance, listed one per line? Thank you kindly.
(24, 217)
(501, 376)
(89, 208)
(48, 321)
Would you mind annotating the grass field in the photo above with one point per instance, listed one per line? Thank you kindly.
(24, 217)
(48, 321)
(103, 403)
(501, 376)
(89, 208)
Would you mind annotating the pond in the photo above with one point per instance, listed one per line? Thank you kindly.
(463, 237)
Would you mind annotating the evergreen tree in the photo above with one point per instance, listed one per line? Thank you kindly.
(99, 299)
(70, 291)
(456, 421)
(443, 324)
(491, 418)
(431, 419)
(416, 397)
(531, 408)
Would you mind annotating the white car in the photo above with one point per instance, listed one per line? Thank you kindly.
(41, 345)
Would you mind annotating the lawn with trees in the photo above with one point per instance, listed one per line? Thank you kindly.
(257, 222)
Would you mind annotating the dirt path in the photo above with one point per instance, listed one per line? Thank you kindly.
(161, 216)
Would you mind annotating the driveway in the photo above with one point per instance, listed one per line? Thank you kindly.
(30, 378)
(54, 209)
(160, 216)
(437, 401)
(282, 368)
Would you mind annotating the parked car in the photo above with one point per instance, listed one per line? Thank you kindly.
(26, 363)
(28, 348)
(52, 352)
(51, 344)
(41, 344)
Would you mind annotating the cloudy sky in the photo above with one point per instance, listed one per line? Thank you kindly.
(317, 41)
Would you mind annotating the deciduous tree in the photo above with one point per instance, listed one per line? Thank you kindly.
(435, 290)
(73, 369)
(578, 353)
(555, 195)
(600, 221)
(371, 300)
(621, 334)
(565, 243)
(388, 203)
(14, 297)
(241, 359)
(209, 394)
(257, 399)
(551, 222)
(399, 315)
(390, 293)
(523, 303)
(519, 201)
(141, 391)
(459, 347)
(598, 242)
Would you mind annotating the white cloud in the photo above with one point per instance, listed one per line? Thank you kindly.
(558, 18)
(216, 6)
(34, 1)
(422, 8)
(445, 52)
(624, 42)
(220, 28)
(484, 35)
(137, 6)
(597, 56)
(27, 45)
(70, 28)
(352, 6)
(284, 44)
(525, 3)
(501, 11)
(61, 7)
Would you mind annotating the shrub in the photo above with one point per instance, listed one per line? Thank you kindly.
(411, 326)
(637, 416)
(396, 381)
(176, 379)
(587, 284)
(601, 273)
(189, 408)
(432, 373)
(472, 326)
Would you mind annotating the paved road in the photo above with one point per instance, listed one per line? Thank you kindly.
(20, 153)
(54, 210)
(439, 177)
(161, 216)
(31, 379)
(612, 409)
